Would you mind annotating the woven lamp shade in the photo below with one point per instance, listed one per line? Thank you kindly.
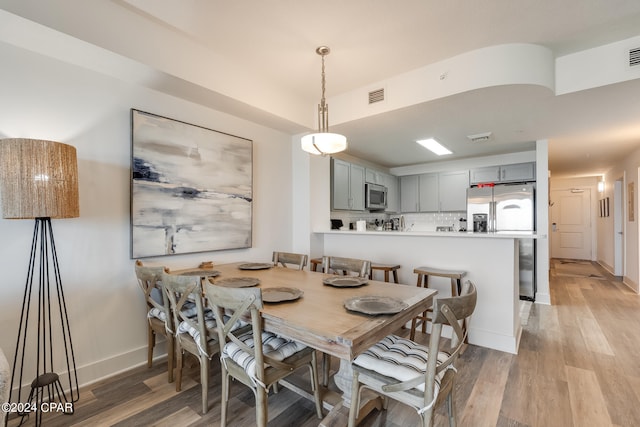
(38, 179)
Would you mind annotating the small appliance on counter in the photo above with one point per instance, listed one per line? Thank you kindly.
(462, 224)
(336, 224)
(480, 223)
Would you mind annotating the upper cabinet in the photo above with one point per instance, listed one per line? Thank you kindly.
(374, 176)
(428, 199)
(393, 192)
(347, 186)
(519, 172)
(452, 191)
(434, 192)
(409, 193)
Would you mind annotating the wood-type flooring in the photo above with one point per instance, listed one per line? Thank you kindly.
(578, 365)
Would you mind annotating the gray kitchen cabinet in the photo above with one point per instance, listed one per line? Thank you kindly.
(347, 186)
(373, 176)
(518, 172)
(393, 193)
(428, 199)
(452, 191)
(409, 193)
(486, 174)
(434, 192)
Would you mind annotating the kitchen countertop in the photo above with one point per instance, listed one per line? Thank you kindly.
(471, 234)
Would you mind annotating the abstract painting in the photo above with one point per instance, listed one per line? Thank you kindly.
(191, 188)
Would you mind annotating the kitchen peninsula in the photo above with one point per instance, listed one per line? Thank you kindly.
(490, 260)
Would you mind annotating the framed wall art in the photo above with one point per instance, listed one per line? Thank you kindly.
(191, 188)
(631, 202)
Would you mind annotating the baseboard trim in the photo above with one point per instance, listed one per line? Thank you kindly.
(107, 368)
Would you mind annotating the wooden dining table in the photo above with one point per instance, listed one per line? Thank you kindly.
(319, 319)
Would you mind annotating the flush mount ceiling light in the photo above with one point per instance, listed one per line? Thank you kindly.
(323, 142)
(434, 146)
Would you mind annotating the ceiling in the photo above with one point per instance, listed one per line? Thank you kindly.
(373, 40)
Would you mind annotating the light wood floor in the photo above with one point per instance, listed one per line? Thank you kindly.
(578, 365)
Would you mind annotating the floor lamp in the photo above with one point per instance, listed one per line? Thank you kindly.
(39, 180)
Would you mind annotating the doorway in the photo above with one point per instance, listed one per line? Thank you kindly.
(571, 224)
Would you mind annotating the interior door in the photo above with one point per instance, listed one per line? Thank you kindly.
(571, 224)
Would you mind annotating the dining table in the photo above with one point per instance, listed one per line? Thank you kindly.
(315, 313)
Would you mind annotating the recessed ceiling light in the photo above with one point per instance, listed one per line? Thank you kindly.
(434, 146)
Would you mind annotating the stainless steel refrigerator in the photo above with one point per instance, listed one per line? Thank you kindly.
(508, 208)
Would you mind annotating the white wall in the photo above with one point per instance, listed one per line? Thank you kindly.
(629, 169)
(49, 99)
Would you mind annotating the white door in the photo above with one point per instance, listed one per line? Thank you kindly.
(571, 224)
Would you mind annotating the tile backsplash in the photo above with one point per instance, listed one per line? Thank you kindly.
(413, 221)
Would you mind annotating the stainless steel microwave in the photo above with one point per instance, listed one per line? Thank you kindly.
(375, 197)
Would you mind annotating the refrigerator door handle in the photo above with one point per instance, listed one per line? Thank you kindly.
(492, 216)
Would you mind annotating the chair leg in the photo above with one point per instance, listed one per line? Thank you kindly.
(204, 382)
(451, 409)
(355, 399)
(427, 418)
(151, 342)
(315, 385)
(179, 368)
(261, 407)
(224, 397)
(171, 354)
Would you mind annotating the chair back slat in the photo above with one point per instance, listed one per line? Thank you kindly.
(238, 302)
(149, 279)
(185, 296)
(286, 259)
(346, 266)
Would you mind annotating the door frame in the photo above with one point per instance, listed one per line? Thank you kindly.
(619, 232)
(591, 235)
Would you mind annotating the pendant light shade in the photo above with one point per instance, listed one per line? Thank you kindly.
(323, 142)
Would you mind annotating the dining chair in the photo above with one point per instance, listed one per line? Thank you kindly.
(195, 327)
(287, 259)
(257, 363)
(347, 267)
(405, 371)
(159, 318)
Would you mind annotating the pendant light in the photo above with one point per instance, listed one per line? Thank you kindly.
(323, 142)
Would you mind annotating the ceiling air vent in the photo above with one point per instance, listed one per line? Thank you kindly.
(376, 96)
(480, 137)
(634, 57)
